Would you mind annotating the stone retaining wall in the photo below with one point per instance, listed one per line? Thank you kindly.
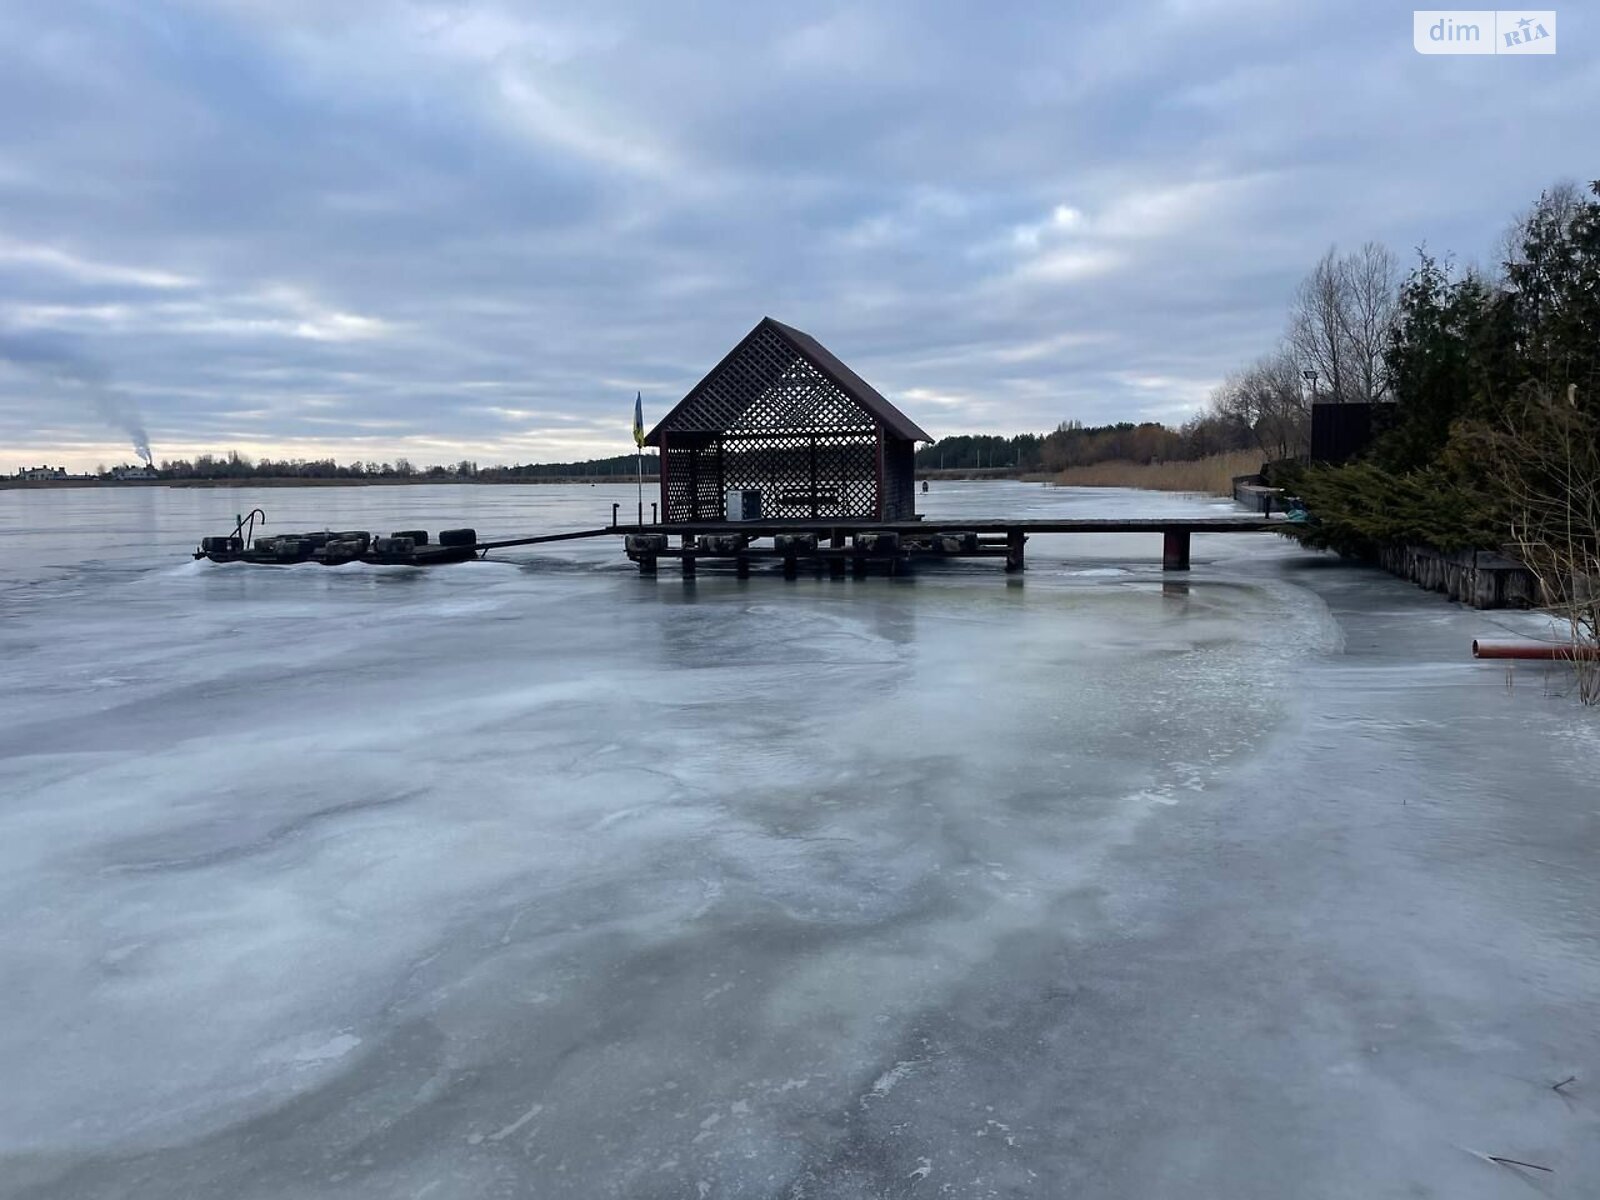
(1479, 578)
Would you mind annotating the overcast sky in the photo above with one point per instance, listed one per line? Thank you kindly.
(472, 230)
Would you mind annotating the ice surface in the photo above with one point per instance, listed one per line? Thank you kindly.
(538, 878)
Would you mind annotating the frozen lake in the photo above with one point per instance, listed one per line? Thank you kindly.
(536, 878)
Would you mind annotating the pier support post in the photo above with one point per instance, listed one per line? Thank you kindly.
(791, 567)
(1015, 541)
(836, 563)
(688, 564)
(741, 567)
(858, 565)
(1175, 550)
(647, 564)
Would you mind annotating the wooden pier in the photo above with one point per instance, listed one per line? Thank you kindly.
(857, 546)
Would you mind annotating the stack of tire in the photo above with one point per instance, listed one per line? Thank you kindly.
(647, 544)
(221, 545)
(393, 548)
(345, 547)
(879, 542)
(458, 537)
(293, 547)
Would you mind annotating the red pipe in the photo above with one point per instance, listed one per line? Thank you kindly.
(1543, 651)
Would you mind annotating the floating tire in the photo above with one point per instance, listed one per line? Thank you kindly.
(880, 542)
(458, 537)
(419, 537)
(645, 543)
(393, 545)
(795, 543)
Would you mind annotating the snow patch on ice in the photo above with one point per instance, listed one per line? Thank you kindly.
(893, 1078)
(309, 1052)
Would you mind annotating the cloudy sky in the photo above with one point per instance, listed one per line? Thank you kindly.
(471, 229)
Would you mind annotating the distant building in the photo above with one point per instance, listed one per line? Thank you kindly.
(126, 474)
(42, 473)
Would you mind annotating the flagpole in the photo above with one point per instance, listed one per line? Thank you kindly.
(638, 446)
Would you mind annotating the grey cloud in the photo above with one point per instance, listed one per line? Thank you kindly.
(301, 225)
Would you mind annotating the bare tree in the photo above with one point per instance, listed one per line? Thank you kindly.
(1265, 398)
(1340, 321)
(1317, 322)
(1371, 294)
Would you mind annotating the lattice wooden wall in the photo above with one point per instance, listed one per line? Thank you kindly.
(806, 475)
(769, 419)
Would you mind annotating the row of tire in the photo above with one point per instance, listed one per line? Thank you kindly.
(338, 547)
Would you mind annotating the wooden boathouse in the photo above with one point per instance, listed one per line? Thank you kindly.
(784, 430)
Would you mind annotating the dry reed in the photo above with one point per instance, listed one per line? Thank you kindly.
(1213, 475)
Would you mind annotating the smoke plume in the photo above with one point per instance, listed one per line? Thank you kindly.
(72, 370)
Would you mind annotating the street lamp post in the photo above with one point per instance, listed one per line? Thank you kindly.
(1311, 378)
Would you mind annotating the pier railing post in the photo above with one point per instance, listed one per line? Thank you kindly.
(1175, 550)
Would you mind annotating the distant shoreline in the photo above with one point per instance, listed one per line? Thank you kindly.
(288, 481)
(292, 481)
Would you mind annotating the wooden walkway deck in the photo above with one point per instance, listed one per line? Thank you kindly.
(855, 545)
(891, 544)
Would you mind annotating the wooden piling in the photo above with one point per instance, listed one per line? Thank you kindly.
(1175, 550)
(1015, 559)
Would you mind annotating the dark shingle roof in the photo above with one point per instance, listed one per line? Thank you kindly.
(895, 423)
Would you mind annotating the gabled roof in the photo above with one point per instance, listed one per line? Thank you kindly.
(895, 423)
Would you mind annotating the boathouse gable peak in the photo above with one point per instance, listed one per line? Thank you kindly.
(781, 378)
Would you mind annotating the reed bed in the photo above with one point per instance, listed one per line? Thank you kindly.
(1213, 475)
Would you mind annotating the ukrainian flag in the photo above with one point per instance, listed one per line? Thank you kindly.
(638, 420)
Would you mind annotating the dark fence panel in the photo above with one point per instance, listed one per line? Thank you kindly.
(1339, 432)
